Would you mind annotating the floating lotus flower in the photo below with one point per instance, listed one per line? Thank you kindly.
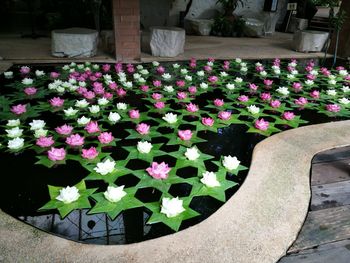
(288, 115)
(114, 194)
(170, 118)
(208, 121)
(68, 195)
(105, 137)
(192, 153)
(144, 147)
(224, 115)
(134, 114)
(19, 109)
(333, 108)
(261, 124)
(209, 179)
(185, 135)
(159, 170)
(90, 153)
(45, 142)
(230, 163)
(105, 167)
(92, 127)
(56, 154)
(172, 207)
(143, 128)
(64, 129)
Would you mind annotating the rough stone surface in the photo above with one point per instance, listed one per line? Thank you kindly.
(74, 42)
(201, 27)
(167, 41)
(253, 27)
(309, 41)
(257, 224)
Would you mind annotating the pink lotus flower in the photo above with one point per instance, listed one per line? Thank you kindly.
(45, 141)
(297, 86)
(192, 89)
(157, 83)
(82, 90)
(92, 127)
(191, 107)
(75, 140)
(106, 67)
(159, 170)
(208, 121)
(268, 82)
(261, 124)
(134, 114)
(219, 102)
(112, 85)
(56, 102)
(259, 68)
(90, 153)
(224, 115)
(159, 105)
(64, 129)
(98, 88)
(130, 68)
(193, 64)
(24, 70)
(118, 67)
(288, 115)
(105, 137)
(332, 107)
(308, 68)
(275, 103)
(30, 91)
(253, 87)
(19, 109)
(121, 92)
(143, 128)
(181, 95)
(340, 68)
(157, 96)
(207, 68)
(98, 75)
(108, 95)
(276, 62)
(265, 96)
(226, 66)
(243, 98)
(213, 79)
(56, 154)
(301, 101)
(144, 88)
(160, 70)
(211, 59)
(315, 94)
(89, 95)
(54, 75)
(185, 135)
(180, 83)
(311, 77)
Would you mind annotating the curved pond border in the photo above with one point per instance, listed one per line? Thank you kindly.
(257, 224)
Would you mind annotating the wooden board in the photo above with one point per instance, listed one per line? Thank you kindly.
(330, 195)
(322, 227)
(337, 252)
(330, 172)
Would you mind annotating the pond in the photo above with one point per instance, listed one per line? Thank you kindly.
(219, 109)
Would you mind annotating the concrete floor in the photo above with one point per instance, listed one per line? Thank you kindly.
(24, 50)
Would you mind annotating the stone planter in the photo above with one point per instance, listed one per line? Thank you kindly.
(167, 41)
(309, 40)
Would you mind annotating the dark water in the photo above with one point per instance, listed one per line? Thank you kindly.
(24, 187)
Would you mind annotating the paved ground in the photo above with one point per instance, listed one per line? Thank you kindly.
(325, 235)
(25, 50)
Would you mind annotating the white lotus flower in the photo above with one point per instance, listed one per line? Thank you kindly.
(139, 67)
(114, 117)
(136, 76)
(184, 71)
(258, 64)
(290, 76)
(283, 91)
(188, 78)
(332, 82)
(105, 167)
(210, 64)
(60, 89)
(82, 83)
(230, 163)
(121, 74)
(144, 147)
(14, 132)
(314, 72)
(244, 69)
(277, 71)
(155, 63)
(83, 120)
(253, 109)
(40, 133)
(8, 74)
(94, 109)
(345, 89)
(107, 77)
(128, 84)
(72, 70)
(141, 80)
(70, 112)
(309, 82)
(203, 85)
(172, 207)
(223, 74)
(332, 77)
(209, 179)
(72, 64)
(263, 73)
(121, 106)
(238, 60)
(292, 64)
(114, 194)
(81, 103)
(294, 72)
(95, 66)
(66, 67)
(200, 73)
(68, 195)
(37, 124)
(238, 80)
(16, 143)
(192, 153)
(343, 72)
(230, 86)
(344, 101)
(274, 67)
(168, 88)
(39, 73)
(13, 123)
(331, 92)
(166, 76)
(102, 101)
(27, 81)
(243, 64)
(73, 88)
(176, 65)
(170, 118)
(144, 72)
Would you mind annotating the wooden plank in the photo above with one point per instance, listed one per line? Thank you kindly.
(337, 252)
(322, 227)
(330, 195)
(332, 155)
(324, 173)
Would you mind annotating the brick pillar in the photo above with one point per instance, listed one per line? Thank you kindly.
(126, 17)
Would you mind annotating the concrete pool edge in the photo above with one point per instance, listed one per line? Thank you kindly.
(257, 224)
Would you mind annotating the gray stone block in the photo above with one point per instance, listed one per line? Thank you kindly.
(74, 42)
(309, 40)
(200, 27)
(167, 41)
